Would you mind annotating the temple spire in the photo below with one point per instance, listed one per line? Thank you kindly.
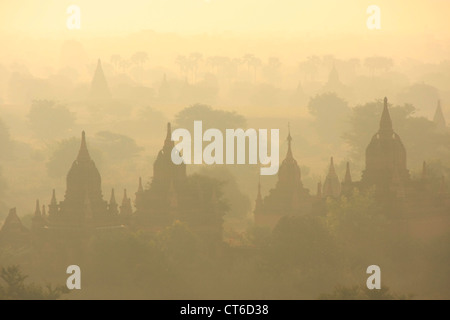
(386, 122)
(331, 170)
(113, 204)
(347, 184)
(83, 153)
(424, 171)
(319, 189)
(53, 207)
(289, 139)
(99, 85)
(125, 208)
(53, 201)
(37, 211)
(259, 200)
(331, 186)
(168, 143)
(259, 197)
(348, 176)
(140, 188)
(112, 200)
(439, 118)
(169, 131)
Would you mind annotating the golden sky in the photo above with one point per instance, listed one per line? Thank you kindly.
(106, 17)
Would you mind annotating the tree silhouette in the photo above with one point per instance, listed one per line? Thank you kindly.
(310, 67)
(139, 59)
(252, 62)
(330, 113)
(418, 134)
(182, 62)
(17, 289)
(48, 119)
(115, 61)
(378, 63)
(211, 118)
(193, 62)
(271, 69)
(360, 292)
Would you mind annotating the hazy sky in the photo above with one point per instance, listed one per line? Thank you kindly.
(106, 17)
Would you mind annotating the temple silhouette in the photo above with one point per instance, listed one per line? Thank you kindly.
(196, 200)
(99, 86)
(171, 196)
(385, 174)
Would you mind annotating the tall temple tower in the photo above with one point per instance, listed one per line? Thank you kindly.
(439, 118)
(83, 200)
(331, 186)
(13, 233)
(168, 180)
(164, 170)
(385, 157)
(174, 196)
(99, 86)
(288, 197)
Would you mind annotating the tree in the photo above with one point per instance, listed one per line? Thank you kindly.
(48, 119)
(251, 61)
(212, 118)
(117, 146)
(363, 293)
(17, 289)
(182, 62)
(301, 242)
(422, 95)
(193, 62)
(330, 113)
(63, 153)
(272, 68)
(309, 67)
(239, 202)
(179, 243)
(3, 187)
(418, 134)
(115, 61)
(357, 216)
(378, 63)
(139, 59)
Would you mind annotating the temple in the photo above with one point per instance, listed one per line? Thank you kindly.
(171, 196)
(196, 200)
(386, 174)
(99, 86)
(83, 204)
(439, 119)
(289, 195)
(385, 157)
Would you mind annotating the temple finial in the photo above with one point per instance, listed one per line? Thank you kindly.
(37, 212)
(385, 122)
(348, 176)
(169, 131)
(289, 139)
(331, 165)
(83, 154)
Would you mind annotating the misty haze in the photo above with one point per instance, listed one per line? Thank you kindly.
(87, 177)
